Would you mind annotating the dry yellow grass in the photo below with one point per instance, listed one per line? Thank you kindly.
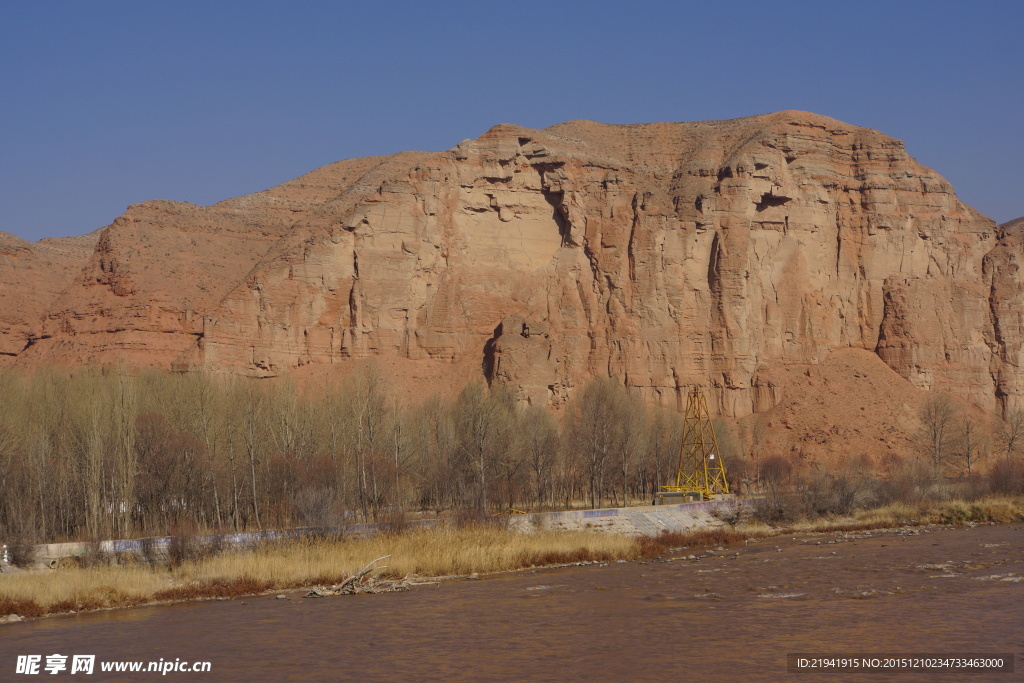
(435, 552)
(997, 509)
(441, 551)
(36, 593)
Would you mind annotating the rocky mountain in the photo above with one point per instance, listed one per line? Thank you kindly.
(31, 277)
(723, 253)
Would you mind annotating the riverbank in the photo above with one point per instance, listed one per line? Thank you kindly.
(421, 554)
(715, 614)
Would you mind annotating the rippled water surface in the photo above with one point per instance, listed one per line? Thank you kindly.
(732, 615)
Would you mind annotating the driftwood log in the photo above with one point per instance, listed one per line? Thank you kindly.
(363, 581)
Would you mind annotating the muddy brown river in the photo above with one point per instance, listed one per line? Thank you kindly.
(733, 614)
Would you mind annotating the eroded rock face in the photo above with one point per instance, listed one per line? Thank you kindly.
(143, 288)
(664, 254)
(31, 277)
(1005, 336)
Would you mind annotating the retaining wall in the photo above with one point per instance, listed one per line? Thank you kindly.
(634, 521)
(649, 520)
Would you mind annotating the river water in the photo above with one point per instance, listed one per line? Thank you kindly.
(733, 614)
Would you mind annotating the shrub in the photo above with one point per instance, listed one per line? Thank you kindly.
(1007, 477)
(698, 538)
(730, 513)
(830, 495)
(778, 507)
(94, 556)
(21, 554)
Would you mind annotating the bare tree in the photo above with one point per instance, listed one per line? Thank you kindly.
(481, 422)
(401, 451)
(1011, 432)
(665, 432)
(633, 414)
(251, 423)
(291, 430)
(371, 417)
(731, 450)
(780, 503)
(972, 444)
(937, 434)
(441, 465)
(595, 431)
(206, 420)
(125, 409)
(540, 447)
(758, 430)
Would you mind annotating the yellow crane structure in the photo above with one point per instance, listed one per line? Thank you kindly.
(701, 469)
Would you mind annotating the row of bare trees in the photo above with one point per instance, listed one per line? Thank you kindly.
(114, 453)
(954, 441)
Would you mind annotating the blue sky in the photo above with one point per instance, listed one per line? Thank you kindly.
(107, 104)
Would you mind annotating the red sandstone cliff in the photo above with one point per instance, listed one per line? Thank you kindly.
(666, 254)
(31, 276)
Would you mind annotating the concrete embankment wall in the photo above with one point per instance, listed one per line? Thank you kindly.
(159, 548)
(634, 521)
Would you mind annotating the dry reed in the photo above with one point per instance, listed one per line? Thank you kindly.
(442, 551)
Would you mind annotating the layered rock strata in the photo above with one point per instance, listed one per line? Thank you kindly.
(31, 277)
(663, 254)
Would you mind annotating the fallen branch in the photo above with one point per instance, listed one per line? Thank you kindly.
(362, 581)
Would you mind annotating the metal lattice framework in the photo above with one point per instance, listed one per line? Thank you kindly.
(700, 462)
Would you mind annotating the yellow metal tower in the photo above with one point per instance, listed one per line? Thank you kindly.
(700, 462)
